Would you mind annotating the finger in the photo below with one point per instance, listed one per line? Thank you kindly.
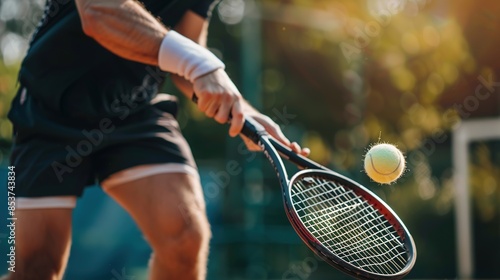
(276, 132)
(301, 151)
(238, 119)
(295, 147)
(306, 152)
(251, 146)
(212, 108)
(222, 115)
(203, 102)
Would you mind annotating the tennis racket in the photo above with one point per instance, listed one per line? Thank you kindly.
(341, 221)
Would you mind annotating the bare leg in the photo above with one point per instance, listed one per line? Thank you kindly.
(170, 210)
(43, 240)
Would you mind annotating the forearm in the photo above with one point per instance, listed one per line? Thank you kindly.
(123, 27)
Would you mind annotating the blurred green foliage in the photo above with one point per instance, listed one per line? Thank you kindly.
(8, 81)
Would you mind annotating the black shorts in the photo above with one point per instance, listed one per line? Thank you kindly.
(58, 156)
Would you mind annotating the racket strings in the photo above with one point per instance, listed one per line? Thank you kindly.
(355, 256)
(348, 225)
(361, 260)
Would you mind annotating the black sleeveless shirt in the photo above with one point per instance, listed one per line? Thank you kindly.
(70, 73)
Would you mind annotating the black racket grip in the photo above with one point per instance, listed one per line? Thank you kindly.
(251, 128)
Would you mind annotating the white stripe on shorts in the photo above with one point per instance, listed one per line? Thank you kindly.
(121, 177)
(46, 202)
(138, 172)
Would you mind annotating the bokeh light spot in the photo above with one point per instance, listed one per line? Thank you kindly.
(231, 11)
(403, 79)
(435, 85)
(273, 80)
(410, 43)
(431, 36)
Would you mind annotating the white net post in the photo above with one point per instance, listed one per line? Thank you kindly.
(465, 133)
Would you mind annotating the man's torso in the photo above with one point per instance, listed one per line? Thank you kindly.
(71, 73)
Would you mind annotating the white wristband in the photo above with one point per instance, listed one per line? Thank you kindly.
(184, 57)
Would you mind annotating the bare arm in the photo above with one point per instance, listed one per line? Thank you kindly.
(123, 27)
(126, 29)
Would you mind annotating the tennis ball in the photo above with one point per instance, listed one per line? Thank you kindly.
(384, 163)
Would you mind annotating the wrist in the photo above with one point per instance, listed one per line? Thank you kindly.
(185, 58)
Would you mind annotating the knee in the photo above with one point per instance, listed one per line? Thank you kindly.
(38, 264)
(196, 236)
(187, 244)
(44, 258)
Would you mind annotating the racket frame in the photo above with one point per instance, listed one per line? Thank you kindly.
(274, 152)
(320, 250)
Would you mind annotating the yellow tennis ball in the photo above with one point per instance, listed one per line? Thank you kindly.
(384, 163)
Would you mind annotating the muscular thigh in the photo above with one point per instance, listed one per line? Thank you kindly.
(43, 238)
(162, 204)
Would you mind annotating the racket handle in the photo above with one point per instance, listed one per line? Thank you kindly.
(251, 128)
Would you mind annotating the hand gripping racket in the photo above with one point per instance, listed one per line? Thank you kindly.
(341, 221)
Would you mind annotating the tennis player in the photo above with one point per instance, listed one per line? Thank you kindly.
(88, 110)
